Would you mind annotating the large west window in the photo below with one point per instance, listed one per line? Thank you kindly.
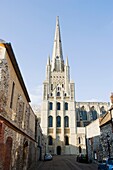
(58, 106)
(66, 106)
(50, 106)
(50, 121)
(66, 121)
(58, 121)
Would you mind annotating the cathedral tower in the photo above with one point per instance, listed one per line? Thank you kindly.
(58, 120)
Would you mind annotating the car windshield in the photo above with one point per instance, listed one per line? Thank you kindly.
(48, 154)
(110, 161)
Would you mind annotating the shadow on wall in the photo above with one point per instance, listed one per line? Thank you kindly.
(58, 147)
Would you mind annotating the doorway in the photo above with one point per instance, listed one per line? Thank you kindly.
(58, 150)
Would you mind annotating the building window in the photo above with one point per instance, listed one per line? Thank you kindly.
(58, 106)
(66, 106)
(50, 106)
(83, 115)
(58, 121)
(79, 141)
(66, 121)
(66, 140)
(50, 121)
(58, 93)
(12, 95)
(93, 113)
(51, 86)
(50, 140)
(102, 110)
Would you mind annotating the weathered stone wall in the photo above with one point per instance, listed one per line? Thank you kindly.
(20, 153)
(106, 140)
(18, 142)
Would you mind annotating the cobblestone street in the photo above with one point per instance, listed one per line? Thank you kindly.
(65, 163)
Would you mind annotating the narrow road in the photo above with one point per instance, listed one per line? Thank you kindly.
(65, 163)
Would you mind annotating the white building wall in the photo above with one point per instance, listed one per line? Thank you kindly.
(93, 129)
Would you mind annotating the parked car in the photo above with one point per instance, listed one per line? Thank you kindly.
(109, 164)
(48, 157)
(102, 165)
(82, 158)
(106, 164)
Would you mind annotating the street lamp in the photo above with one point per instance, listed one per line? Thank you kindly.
(108, 144)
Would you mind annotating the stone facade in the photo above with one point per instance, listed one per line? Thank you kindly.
(62, 117)
(106, 137)
(81, 140)
(18, 123)
(93, 139)
(58, 107)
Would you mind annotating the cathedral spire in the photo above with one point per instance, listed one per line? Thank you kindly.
(57, 47)
(48, 60)
(67, 63)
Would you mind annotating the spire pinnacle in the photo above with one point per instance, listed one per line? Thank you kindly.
(67, 63)
(48, 60)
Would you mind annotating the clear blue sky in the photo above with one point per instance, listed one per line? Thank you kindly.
(87, 39)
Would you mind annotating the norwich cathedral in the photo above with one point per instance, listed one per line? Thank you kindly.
(65, 126)
(63, 120)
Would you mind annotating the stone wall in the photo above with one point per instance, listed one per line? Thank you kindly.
(18, 151)
(18, 127)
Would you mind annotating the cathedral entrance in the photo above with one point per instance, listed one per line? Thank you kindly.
(58, 150)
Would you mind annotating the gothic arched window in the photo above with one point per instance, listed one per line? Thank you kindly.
(66, 106)
(50, 121)
(66, 140)
(83, 114)
(50, 140)
(93, 113)
(58, 106)
(58, 121)
(66, 121)
(102, 110)
(50, 106)
(79, 141)
(58, 93)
